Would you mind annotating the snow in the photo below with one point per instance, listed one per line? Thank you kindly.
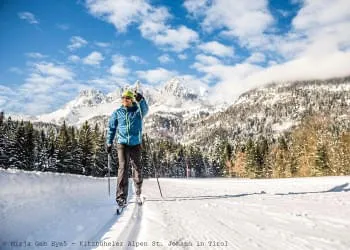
(220, 213)
(283, 126)
(48, 207)
(335, 88)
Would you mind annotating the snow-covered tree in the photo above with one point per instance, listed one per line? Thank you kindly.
(86, 144)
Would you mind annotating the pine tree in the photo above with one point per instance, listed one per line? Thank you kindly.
(2, 117)
(146, 158)
(99, 153)
(28, 146)
(41, 160)
(251, 157)
(86, 145)
(261, 157)
(64, 154)
(4, 141)
(76, 151)
(219, 157)
(180, 164)
(17, 151)
(227, 159)
(52, 152)
(322, 161)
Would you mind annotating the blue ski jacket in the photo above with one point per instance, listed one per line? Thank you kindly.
(127, 123)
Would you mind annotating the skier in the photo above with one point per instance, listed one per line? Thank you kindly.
(126, 121)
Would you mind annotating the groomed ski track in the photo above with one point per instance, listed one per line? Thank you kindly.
(294, 213)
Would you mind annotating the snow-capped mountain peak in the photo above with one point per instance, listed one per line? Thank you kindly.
(176, 87)
(174, 97)
(87, 98)
(90, 93)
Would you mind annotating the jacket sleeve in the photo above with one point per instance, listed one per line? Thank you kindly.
(143, 107)
(113, 123)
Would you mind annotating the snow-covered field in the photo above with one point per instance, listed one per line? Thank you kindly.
(48, 210)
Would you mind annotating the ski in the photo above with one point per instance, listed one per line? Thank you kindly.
(140, 200)
(120, 209)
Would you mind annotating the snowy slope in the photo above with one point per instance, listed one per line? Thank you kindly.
(299, 213)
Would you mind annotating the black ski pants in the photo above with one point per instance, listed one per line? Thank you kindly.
(128, 156)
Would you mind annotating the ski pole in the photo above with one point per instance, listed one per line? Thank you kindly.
(109, 174)
(157, 175)
(156, 169)
(160, 190)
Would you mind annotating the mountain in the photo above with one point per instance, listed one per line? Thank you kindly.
(174, 102)
(184, 114)
(273, 110)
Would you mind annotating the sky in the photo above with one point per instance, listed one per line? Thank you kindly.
(52, 49)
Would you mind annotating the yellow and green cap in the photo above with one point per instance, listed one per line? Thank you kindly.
(128, 93)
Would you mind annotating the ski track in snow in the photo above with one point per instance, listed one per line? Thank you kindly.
(249, 214)
(296, 213)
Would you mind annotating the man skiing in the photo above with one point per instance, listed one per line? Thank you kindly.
(126, 121)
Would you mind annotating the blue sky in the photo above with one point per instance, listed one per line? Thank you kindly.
(52, 49)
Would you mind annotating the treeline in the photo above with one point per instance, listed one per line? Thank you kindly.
(63, 150)
(318, 147)
(66, 149)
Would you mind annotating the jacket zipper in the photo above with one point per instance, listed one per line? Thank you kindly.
(127, 126)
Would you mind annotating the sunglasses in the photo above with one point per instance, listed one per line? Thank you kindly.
(126, 97)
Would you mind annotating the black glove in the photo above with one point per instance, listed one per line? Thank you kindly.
(109, 148)
(138, 97)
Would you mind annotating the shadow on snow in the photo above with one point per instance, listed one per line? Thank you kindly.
(340, 188)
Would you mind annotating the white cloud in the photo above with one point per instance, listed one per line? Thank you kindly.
(315, 14)
(207, 60)
(216, 48)
(196, 7)
(316, 47)
(94, 58)
(256, 57)
(107, 83)
(230, 79)
(74, 58)
(7, 97)
(6, 90)
(176, 39)
(242, 19)
(35, 55)
(323, 27)
(42, 89)
(102, 44)
(234, 80)
(165, 59)
(156, 76)
(137, 59)
(77, 42)
(120, 13)
(52, 70)
(118, 68)
(198, 84)
(299, 69)
(151, 21)
(154, 22)
(182, 56)
(99, 81)
(154, 28)
(29, 17)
